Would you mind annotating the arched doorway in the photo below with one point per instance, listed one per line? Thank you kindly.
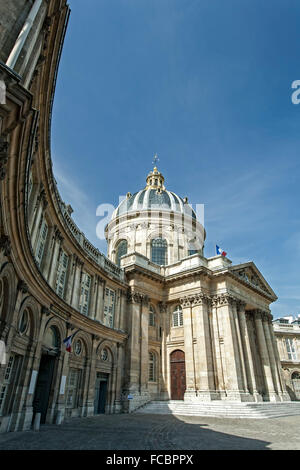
(296, 384)
(178, 383)
(46, 372)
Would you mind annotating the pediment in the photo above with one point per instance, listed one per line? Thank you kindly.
(248, 273)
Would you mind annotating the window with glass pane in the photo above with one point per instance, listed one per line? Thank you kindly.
(109, 307)
(159, 251)
(151, 316)
(121, 250)
(6, 383)
(61, 274)
(72, 388)
(85, 294)
(178, 316)
(41, 242)
(290, 347)
(152, 367)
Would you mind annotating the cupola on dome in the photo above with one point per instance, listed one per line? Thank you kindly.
(154, 197)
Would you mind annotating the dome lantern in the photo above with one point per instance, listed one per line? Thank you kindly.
(155, 180)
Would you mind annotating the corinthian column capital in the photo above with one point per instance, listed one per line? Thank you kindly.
(186, 301)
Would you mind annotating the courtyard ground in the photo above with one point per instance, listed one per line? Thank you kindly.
(159, 432)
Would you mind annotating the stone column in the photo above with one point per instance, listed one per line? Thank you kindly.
(47, 260)
(33, 205)
(164, 395)
(93, 297)
(206, 388)
(217, 347)
(240, 347)
(119, 378)
(62, 376)
(190, 366)
(144, 351)
(70, 279)
(77, 280)
(123, 310)
(89, 394)
(42, 204)
(267, 324)
(99, 304)
(136, 358)
(284, 396)
(57, 240)
(249, 364)
(233, 372)
(264, 355)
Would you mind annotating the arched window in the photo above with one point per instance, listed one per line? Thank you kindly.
(159, 251)
(121, 250)
(52, 338)
(192, 250)
(24, 321)
(151, 316)
(152, 367)
(177, 318)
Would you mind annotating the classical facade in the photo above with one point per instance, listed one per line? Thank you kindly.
(153, 320)
(287, 334)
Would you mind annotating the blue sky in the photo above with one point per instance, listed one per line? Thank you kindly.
(205, 84)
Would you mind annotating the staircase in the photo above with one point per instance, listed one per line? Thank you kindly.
(223, 409)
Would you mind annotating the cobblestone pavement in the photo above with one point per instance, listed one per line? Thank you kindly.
(159, 432)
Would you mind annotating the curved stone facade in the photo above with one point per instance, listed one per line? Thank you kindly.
(124, 321)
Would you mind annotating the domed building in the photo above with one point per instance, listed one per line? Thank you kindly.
(83, 333)
(156, 223)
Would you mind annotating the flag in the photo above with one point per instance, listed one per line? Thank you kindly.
(220, 251)
(68, 343)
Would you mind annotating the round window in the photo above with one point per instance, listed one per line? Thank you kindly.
(24, 322)
(78, 347)
(104, 355)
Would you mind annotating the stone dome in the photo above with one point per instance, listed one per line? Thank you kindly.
(154, 197)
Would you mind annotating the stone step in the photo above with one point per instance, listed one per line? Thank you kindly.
(223, 409)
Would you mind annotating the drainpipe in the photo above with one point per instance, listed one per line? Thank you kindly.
(13, 56)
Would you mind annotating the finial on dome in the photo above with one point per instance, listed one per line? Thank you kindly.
(155, 160)
(155, 179)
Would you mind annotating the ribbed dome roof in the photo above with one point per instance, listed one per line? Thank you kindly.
(152, 199)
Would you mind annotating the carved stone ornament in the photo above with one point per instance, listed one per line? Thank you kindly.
(250, 277)
(3, 157)
(241, 305)
(136, 297)
(5, 245)
(45, 311)
(162, 307)
(22, 287)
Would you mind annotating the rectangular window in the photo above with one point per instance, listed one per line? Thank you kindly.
(41, 242)
(6, 383)
(85, 294)
(291, 351)
(61, 274)
(72, 388)
(109, 307)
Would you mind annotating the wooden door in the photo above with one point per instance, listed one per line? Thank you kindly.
(178, 383)
(100, 393)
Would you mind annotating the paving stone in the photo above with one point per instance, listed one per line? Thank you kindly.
(159, 432)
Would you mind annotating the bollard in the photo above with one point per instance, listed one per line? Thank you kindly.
(59, 417)
(37, 422)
